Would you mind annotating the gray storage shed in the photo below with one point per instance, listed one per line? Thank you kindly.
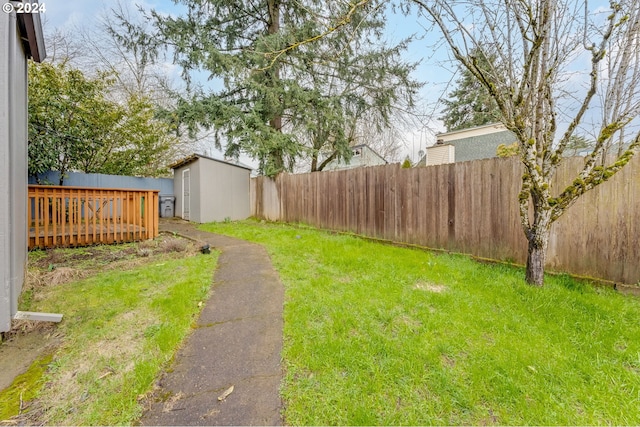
(20, 38)
(209, 189)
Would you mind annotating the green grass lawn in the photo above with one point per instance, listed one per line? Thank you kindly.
(377, 334)
(122, 325)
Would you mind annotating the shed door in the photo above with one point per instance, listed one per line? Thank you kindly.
(186, 199)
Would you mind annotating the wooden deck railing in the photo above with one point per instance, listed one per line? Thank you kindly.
(78, 216)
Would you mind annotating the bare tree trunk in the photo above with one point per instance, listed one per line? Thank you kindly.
(536, 258)
(538, 237)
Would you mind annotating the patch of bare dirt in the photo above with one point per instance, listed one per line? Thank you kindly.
(448, 361)
(22, 346)
(90, 257)
(430, 287)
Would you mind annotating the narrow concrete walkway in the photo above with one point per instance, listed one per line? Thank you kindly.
(237, 343)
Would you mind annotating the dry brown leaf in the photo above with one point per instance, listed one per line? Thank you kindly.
(226, 393)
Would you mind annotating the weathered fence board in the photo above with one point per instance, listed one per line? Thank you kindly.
(77, 216)
(469, 207)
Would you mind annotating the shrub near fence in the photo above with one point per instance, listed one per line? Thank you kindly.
(468, 207)
(79, 216)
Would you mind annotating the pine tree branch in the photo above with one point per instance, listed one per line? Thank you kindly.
(341, 23)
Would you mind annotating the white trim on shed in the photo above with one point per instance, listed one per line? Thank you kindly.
(186, 173)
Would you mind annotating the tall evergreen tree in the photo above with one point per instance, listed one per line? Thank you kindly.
(470, 103)
(289, 77)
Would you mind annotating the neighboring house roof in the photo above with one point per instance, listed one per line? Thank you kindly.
(362, 155)
(192, 158)
(480, 142)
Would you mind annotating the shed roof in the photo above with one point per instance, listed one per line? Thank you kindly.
(193, 157)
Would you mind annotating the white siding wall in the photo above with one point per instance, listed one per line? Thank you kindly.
(13, 168)
(369, 158)
(224, 191)
(440, 154)
(362, 156)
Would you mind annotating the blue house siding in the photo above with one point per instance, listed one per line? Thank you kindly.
(98, 180)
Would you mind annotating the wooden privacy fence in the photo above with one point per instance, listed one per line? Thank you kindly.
(78, 216)
(468, 207)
